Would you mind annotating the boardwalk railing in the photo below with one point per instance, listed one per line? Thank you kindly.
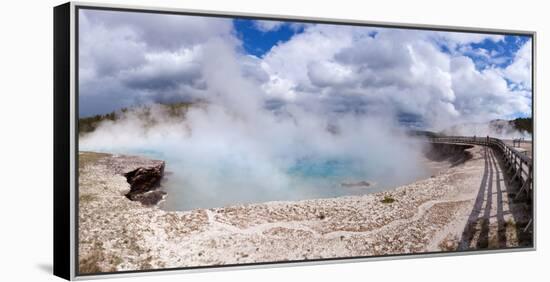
(518, 165)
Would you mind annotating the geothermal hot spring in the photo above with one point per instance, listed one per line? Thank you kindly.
(233, 182)
(216, 159)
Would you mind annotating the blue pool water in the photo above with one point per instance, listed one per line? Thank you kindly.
(193, 183)
(229, 185)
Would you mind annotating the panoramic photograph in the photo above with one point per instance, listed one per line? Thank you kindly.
(206, 141)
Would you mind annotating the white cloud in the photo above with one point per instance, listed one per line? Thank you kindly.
(454, 40)
(397, 71)
(484, 58)
(162, 31)
(323, 68)
(128, 58)
(280, 88)
(290, 61)
(266, 26)
(484, 95)
(106, 49)
(164, 70)
(327, 74)
(519, 71)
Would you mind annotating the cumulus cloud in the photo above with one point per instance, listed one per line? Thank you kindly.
(484, 95)
(130, 58)
(454, 40)
(266, 26)
(520, 70)
(405, 72)
(428, 75)
(328, 73)
(287, 63)
(162, 31)
(164, 70)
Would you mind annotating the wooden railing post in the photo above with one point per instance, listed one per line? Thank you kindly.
(513, 159)
(527, 184)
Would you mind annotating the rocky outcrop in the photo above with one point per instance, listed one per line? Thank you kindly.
(144, 182)
(456, 154)
(359, 184)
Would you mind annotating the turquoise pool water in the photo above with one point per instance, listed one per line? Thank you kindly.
(234, 184)
(202, 182)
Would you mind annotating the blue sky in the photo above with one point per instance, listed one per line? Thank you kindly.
(439, 77)
(257, 42)
(503, 51)
(487, 54)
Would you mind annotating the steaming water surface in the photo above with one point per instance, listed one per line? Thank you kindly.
(216, 158)
(192, 185)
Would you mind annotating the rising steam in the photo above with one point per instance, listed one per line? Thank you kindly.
(234, 149)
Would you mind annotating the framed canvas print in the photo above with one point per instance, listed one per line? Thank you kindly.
(190, 140)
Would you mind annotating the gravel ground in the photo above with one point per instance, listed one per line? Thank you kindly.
(446, 212)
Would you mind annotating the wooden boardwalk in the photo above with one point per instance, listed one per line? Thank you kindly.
(517, 166)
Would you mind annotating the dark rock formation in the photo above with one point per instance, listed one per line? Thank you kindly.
(362, 183)
(143, 184)
(456, 154)
(149, 198)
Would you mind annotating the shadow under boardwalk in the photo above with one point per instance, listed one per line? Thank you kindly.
(496, 220)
